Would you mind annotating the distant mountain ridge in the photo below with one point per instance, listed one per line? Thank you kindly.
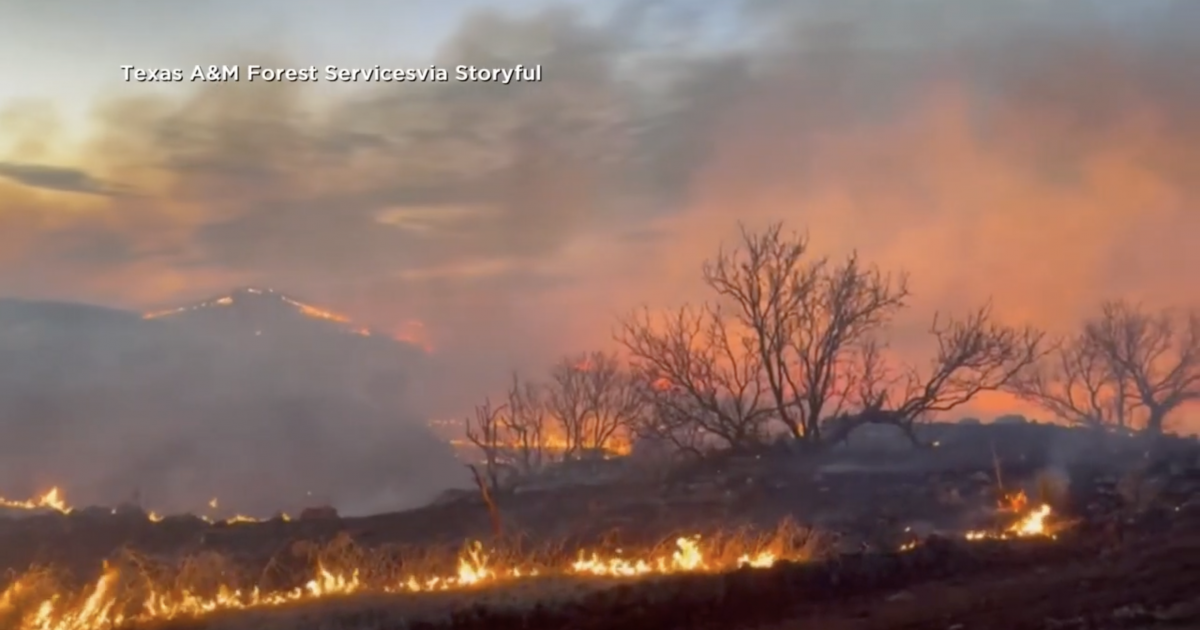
(252, 301)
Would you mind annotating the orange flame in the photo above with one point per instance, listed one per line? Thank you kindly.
(51, 500)
(101, 605)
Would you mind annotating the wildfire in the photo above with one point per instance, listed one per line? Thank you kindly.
(554, 444)
(52, 500)
(316, 313)
(55, 499)
(106, 602)
(307, 310)
(1031, 523)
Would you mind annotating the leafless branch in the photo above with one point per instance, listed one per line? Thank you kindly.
(700, 371)
(486, 432)
(1077, 383)
(1159, 354)
(664, 422)
(525, 424)
(567, 400)
(806, 317)
(974, 355)
(489, 501)
(594, 398)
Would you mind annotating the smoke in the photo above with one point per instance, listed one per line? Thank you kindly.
(1040, 154)
(174, 412)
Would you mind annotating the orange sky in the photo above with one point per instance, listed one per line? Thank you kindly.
(1047, 163)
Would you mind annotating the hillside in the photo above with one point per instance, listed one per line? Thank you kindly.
(258, 310)
(183, 407)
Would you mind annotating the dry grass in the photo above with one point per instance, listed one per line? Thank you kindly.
(138, 578)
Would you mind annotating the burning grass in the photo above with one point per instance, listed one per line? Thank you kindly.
(1023, 521)
(134, 590)
(52, 500)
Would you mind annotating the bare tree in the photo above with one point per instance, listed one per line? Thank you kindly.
(974, 355)
(1159, 354)
(525, 424)
(595, 399)
(1077, 383)
(567, 400)
(703, 373)
(487, 433)
(613, 401)
(663, 423)
(487, 493)
(806, 318)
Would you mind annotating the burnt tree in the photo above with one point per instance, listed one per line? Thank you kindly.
(486, 431)
(1077, 383)
(806, 316)
(974, 355)
(1156, 354)
(701, 371)
(594, 400)
(524, 424)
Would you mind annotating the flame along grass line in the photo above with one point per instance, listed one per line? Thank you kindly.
(105, 604)
(115, 600)
(51, 500)
(1031, 525)
(55, 500)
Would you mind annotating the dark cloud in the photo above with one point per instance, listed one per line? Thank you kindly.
(94, 246)
(56, 178)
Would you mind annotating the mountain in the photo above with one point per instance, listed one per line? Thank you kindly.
(257, 310)
(253, 396)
